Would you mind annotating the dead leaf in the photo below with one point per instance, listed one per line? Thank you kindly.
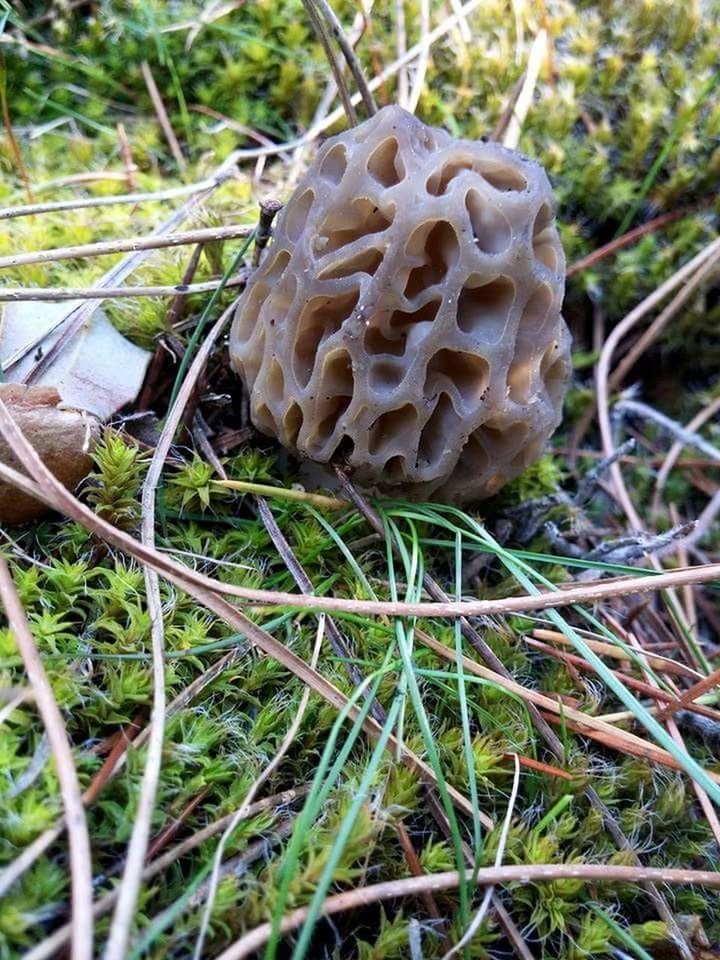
(100, 371)
(63, 438)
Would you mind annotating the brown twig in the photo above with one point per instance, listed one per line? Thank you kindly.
(269, 209)
(80, 860)
(81, 203)
(127, 158)
(630, 237)
(14, 145)
(55, 294)
(350, 56)
(175, 308)
(321, 31)
(108, 247)
(521, 874)
(162, 116)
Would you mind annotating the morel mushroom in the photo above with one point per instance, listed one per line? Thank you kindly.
(407, 316)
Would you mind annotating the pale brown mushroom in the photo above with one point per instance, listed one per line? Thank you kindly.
(407, 315)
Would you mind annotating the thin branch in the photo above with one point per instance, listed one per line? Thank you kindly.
(482, 910)
(423, 59)
(705, 272)
(132, 876)
(48, 489)
(269, 209)
(321, 31)
(57, 206)
(674, 452)
(520, 874)
(627, 239)
(525, 96)
(251, 794)
(80, 860)
(602, 371)
(686, 437)
(55, 294)
(162, 116)
(350, 56)
(107, 247)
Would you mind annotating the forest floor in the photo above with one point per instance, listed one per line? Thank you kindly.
(189, 768)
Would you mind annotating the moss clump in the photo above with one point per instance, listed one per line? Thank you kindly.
(623, 81)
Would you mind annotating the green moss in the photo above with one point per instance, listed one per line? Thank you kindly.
(623, 76)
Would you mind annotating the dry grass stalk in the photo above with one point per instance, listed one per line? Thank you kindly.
(523, 874)
(54, 294)
(108, 247)
(162, 116)
(204, 589)
(80, 860)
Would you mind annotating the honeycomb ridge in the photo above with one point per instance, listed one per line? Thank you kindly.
(407, 316)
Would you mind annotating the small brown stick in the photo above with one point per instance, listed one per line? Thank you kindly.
(14, 145)
(660, 664)
(55, 294)
(511, 137)
(687, 697)
(106, 247)
(127, 158)
(602, 370)
(416, 870)
(630, 237)
(674, 452)
(423, 59)
(167, 834)
(323, 36)
(57, 206)
(661, 321)
(269, 209)
(234, 125)
(439, 882)
(350, 56)
(80, 859)
(175, 308)
(507, 111)
(632, 682)
(124, 738)
(162, 116)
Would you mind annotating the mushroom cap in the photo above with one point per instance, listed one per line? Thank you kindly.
(407, 315)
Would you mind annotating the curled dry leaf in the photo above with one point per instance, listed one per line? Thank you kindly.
(62, 437)
(100, 371)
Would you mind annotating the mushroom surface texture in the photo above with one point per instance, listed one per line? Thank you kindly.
(406, 318)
